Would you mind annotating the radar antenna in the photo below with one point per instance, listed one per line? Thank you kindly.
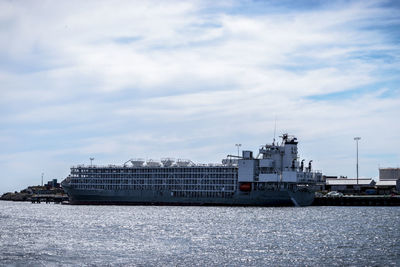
(273, 143)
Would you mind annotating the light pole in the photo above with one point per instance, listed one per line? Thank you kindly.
(42, 178)
(91, 161)
(357, 139)
(238, 146)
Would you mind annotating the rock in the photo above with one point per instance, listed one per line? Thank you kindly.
(16, 196)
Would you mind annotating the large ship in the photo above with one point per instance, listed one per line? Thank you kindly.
(275, 177)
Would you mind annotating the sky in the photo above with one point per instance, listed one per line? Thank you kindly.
(116, 80)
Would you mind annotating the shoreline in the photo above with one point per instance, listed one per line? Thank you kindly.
(370, 200)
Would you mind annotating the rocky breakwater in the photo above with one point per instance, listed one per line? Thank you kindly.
(16, 196)
(33, 193)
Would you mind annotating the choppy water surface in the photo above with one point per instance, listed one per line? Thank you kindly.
(49, 234)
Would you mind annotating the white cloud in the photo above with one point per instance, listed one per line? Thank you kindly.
(151, 78)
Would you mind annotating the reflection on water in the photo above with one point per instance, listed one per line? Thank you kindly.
(49, 234)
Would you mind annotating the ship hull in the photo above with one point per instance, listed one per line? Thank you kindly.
(130, 197)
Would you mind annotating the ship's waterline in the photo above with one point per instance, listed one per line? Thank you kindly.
(275, 177)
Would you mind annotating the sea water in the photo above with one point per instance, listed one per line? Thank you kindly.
(66, 235)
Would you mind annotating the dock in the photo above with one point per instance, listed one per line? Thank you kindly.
(49, 198)
(375, 200)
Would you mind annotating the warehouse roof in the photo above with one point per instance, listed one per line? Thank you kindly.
(386, 183)
(346, 181)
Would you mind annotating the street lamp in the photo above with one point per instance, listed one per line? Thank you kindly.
(357, 139)
(238, 145)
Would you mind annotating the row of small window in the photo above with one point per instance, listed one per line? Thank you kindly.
(305, 175)
(156, 170)
(226, 185)
(262, 186)
(161, 176)
(152, 181)
(155, 188)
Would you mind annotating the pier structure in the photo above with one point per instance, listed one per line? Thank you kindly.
(358, 200)
(56, 199)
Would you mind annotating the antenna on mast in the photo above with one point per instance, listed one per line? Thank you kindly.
(274, 132)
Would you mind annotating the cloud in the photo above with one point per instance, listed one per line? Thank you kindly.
(191, 79)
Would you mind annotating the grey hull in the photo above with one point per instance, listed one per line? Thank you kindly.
(130, 197)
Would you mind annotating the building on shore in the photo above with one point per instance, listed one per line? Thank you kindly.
(349, 185)
(386, 187)
(389, 174)
(389, 181)
(52, 187)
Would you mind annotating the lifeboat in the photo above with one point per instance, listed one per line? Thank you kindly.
(246, 187)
